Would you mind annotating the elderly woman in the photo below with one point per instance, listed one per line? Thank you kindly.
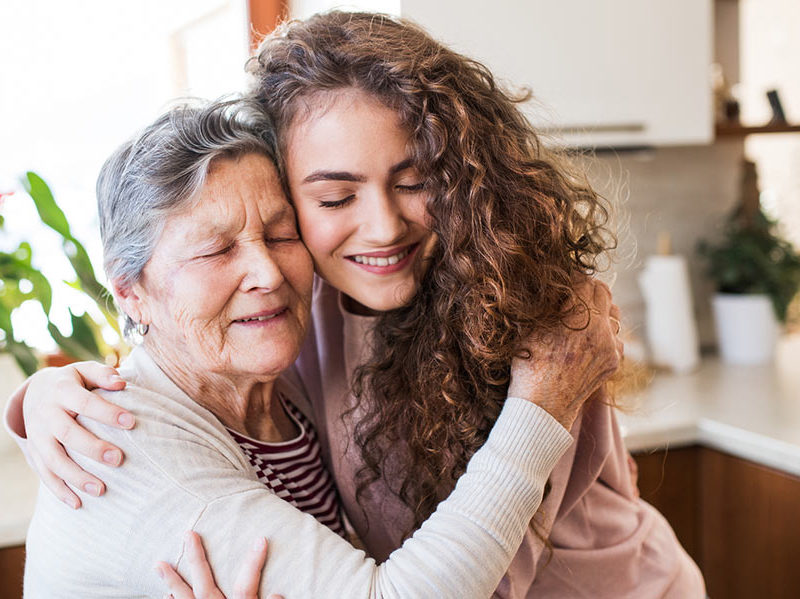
(205, 260)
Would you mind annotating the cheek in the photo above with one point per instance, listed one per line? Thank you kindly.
(298, 269)
(416, 211)
(199, 294)
(322, 233)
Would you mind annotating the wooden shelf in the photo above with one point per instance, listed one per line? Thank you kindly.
(724, 130)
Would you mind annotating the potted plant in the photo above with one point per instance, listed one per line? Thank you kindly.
(21, 281)
(756, 273)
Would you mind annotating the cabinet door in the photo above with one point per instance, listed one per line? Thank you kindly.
(603, 72)
(12, 566)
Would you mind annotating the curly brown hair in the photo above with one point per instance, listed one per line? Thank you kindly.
(517, 225)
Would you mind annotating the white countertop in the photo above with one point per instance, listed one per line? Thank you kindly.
(752, 412)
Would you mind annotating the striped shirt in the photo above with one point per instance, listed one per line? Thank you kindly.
(294, 471)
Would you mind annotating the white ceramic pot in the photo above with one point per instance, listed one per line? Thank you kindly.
(747, 329)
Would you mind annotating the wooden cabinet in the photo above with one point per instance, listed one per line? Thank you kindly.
(12, 563)
(605, 72)
(739, 521)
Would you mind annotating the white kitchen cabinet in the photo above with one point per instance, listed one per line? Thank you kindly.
(603, 72)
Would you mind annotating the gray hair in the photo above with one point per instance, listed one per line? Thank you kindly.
(161, 169)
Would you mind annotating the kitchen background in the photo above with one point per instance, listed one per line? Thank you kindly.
(628, 81)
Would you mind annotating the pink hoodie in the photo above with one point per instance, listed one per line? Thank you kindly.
(606, 541)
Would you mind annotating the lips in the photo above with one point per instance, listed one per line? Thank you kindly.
(385, 261)
(262, 316)
(374, 260)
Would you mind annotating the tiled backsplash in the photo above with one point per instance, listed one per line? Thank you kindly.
(684, 191)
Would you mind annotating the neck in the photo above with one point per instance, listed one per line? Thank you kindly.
(246, 404)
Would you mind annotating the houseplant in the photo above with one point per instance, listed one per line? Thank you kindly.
(21, 281)
(756, 273)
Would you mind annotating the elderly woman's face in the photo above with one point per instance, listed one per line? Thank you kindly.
(228, 287)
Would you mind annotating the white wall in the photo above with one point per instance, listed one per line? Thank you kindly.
(300, 9)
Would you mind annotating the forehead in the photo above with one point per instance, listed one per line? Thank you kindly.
(249, 179)
(349, 113)
(236, 191)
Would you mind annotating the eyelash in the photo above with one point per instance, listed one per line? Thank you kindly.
(344, 201)
(411, 188)
(227, 249)
(224, 250)
(336, 203)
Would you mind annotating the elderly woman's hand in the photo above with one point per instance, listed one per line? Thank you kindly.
(565, 368)
(202, 579)
(53, 398)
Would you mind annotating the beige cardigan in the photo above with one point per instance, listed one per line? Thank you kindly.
(184, 471)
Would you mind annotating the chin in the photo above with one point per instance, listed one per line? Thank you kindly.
(264, 361)
(385, 303)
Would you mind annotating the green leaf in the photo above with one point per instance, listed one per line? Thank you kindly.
(46, 206)
(68, 345)
(5, 320)
(24, 356)
(105, 302)
(751, 257)
(83, 333)
(21, 352)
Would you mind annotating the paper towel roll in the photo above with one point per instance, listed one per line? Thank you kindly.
(671, 328)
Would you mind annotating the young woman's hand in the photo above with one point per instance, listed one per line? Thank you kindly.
(201, 583)
(53, 399)
(565, 368)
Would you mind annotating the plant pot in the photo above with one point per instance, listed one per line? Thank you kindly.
(747, 329)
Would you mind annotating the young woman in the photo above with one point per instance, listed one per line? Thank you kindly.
(445, 235)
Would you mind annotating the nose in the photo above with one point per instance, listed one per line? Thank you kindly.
(260, 269)
(382, 220)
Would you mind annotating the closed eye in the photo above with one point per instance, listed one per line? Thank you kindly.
(411, 188)
(219, 252)
(337, 203)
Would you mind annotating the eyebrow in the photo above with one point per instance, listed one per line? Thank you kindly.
(353, 177)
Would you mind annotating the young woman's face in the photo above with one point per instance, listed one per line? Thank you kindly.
(360, 202)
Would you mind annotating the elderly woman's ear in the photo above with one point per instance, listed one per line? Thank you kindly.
(130, 300)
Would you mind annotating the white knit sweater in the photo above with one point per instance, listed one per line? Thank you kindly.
(183, 471)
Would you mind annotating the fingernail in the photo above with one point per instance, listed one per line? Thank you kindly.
(112, 456)
(259, 544)
(125, 420)
(71, 502)
(115, 378)
(160, 571)
(92, 489)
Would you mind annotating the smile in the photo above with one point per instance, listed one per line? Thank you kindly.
(383, 260)
(262, 317)
(386, 262)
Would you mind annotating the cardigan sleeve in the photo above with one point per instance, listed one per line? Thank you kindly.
(14, 422)
(462, 550)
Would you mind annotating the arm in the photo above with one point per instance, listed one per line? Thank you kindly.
(461, 551)
(48, 402)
